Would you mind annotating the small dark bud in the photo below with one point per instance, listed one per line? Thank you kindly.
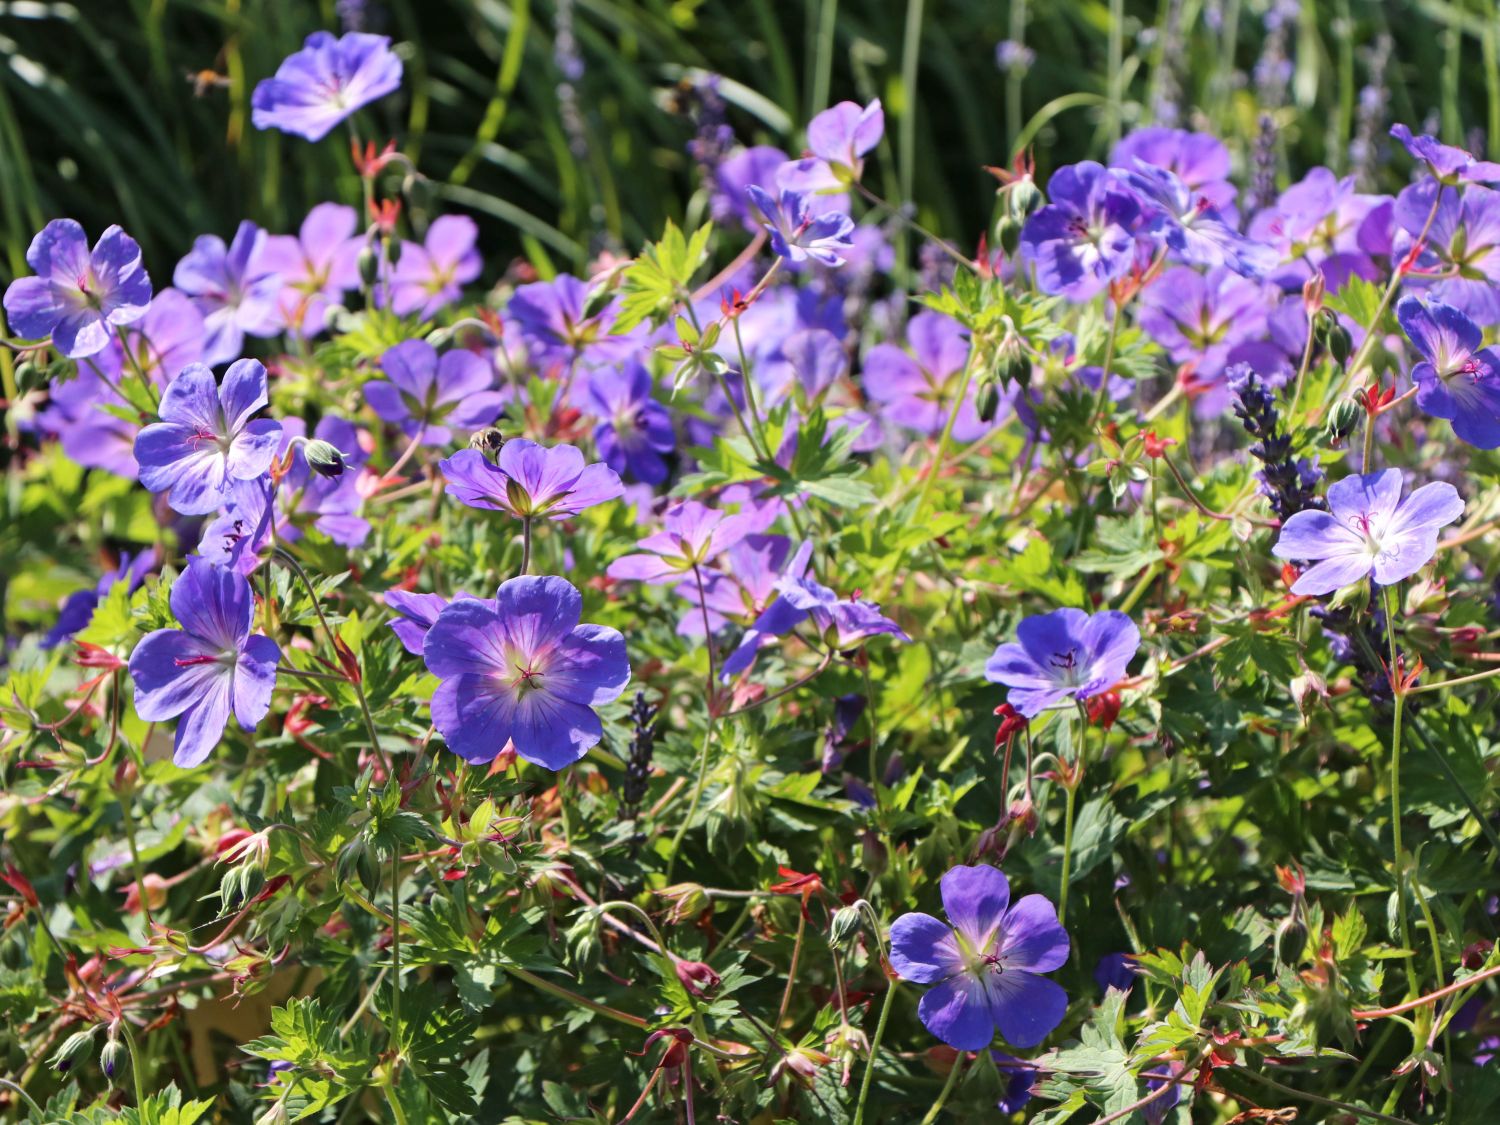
(324, 458)
(1291, 940)
(1340, 345)
(1008, 234)
(393, 250)
(1325, 321)
(988, 400)
(369, 266)
(28, 376)
(488, 441)
(1025, 197)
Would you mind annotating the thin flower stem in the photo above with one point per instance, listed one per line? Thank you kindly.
(1302, 370)
(1430, 998)
(287, 669)
(1399, 693)
(708, 737)
(948, 1087)
(126, 797)
(359, 691)
(864, 1086)
(1165, 403)
(1347, 1107)
(1067, 861)
(1362, 353)
(1369, 446)
(525, 545)
(1101, 404)
(135, 365)
(793, 686)
(791, 975)
(396, 946)
(136, 1077)
(574, 998)
(406, 455)
(1474, 678)
(906, 220)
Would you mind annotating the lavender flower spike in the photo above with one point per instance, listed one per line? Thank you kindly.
(205, 440)
(1368, 530)
(986, 965)
(1063, 655)
(317, 87)
(521, 669)
(78, 296)
(210, 668)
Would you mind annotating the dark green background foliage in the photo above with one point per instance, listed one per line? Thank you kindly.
(96, 121)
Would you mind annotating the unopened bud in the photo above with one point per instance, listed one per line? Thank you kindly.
(324, 458)
(440, 338)
(987, 402)
(393, 248)
(1343, 419)
(1291, 940)
(1024, 198)
(28, 376)
(844, 926)
(1340, 344)
(111, 1057)
(369, 265)
(1312, 293)
(697, 977)
(688, 901)
(75, 1048)
(1008, 234)
(1325, 321)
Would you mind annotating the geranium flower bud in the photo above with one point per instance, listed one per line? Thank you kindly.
(1008, 234)
(368, 264)
(845, 925)
(688, 901)
(697, 977)
(74, 1049)
(1024, 198)
(324, 458)
(1343, 419)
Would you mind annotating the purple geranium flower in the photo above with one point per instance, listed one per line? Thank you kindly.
(692, 536)
(1461, 247)
(1115, 970)
(550, 316)
(1368, 530)
(317, 266)
(433, 274)
(206, 439)
(797, 234)
(428, 397)
(1202, 316)
(521, 669)
(1084, 238)
(319, 86)
(1199, 160)
(1017, 1076)
(1449, 164)
(755, 165)
(1190, 226)
(917, 387)
(530, 480)
(985, 966)
(1063, 655)
(415, 614)
(79, 608)
(234, 289)
(842, 625)
(78, 296)
(211, 667)
(1457, 380)
(634, 431)
(841, 136)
